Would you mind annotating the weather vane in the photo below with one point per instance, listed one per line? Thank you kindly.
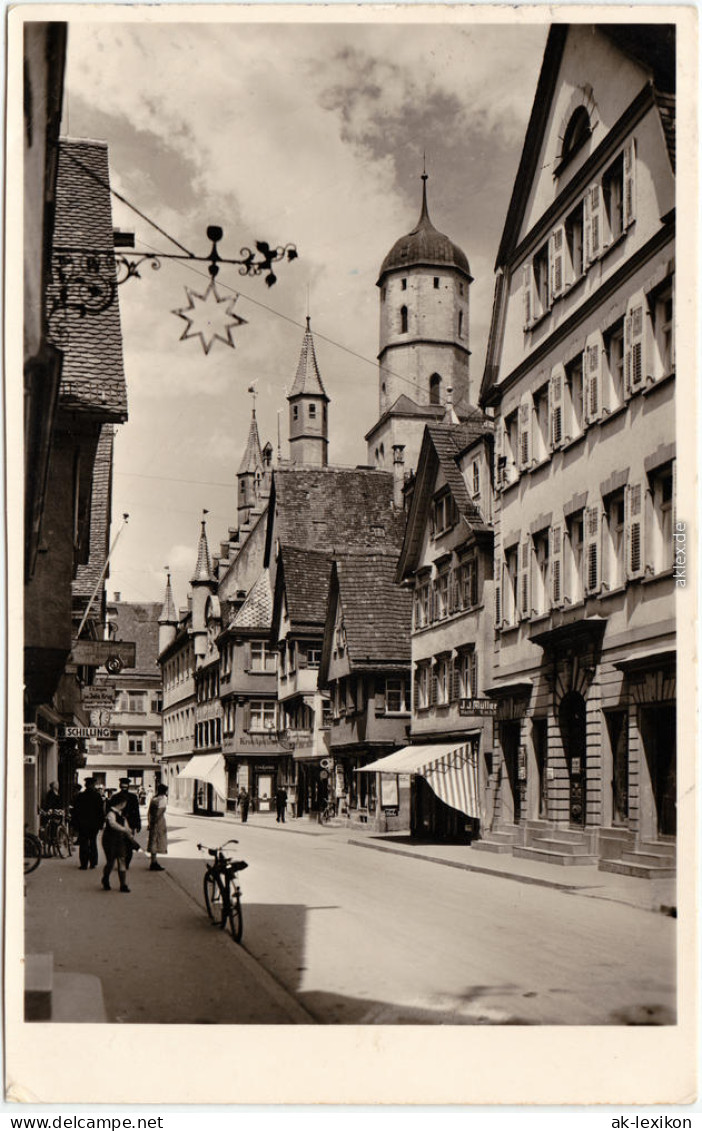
(86, 281)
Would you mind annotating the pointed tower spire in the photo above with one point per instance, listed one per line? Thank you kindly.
(203, 567)
(252, 458)
(308, 409)
(168, 620)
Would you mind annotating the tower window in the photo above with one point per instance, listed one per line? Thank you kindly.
(435, 389)
(403, 319)
(313, 410)
(294, 412)
(436, 283)
(404, 284)
(460, 323)
(382, 295)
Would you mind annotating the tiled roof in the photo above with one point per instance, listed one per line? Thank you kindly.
(88, 574)
(92, 378)
(252, 459)
(168, 611)
(377, 612)
(306, 578)
(139, 622)
(257, 609)
(203, 566)
(424, 245)
(307, 378)
(449, 441)
(329, 508)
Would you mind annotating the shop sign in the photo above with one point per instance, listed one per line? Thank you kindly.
(487, 707)
(85, 732)
(112, 654)
(98, 698)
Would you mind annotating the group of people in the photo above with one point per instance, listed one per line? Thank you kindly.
(281, 804)
(121, 821)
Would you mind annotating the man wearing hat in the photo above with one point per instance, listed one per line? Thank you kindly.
(131, 811)
(88, 819)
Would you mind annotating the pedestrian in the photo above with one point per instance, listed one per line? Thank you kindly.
(131, 812)
(88, 818)
(117, 843)
(52, 799)
(281, 803)
(158, 831)
(244, 802)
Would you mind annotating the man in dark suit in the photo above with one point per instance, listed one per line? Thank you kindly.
(131, 810)
(88, 819)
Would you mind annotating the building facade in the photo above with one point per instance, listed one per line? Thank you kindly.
(580, 374)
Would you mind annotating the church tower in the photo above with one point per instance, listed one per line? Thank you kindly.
(424, 355)
(309, 426)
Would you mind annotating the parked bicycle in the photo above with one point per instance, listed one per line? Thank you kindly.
(221, 888)
(54, 833)
(327, 813)
(32, 852)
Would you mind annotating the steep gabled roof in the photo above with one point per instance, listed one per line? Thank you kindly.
(377, 612)
(257, 609)
(139, 622)
(327, 508)
(92, 378)
(303, 578)
(442, 447)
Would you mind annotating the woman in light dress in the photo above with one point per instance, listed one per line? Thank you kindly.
(158, 832)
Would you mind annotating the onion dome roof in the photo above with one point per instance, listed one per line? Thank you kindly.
(424, 245)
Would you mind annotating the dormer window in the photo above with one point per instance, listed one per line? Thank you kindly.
(577, 133)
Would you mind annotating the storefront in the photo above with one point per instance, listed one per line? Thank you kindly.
(209, 777)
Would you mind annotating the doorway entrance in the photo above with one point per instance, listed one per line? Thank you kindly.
(573, 727)
(509, 740)
(618, 732)
(658, 733)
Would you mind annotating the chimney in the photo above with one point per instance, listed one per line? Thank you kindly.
(398, 474)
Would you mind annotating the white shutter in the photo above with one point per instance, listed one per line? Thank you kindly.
(597, 214)
(629, 187)
(528, 293)
(499, 452)
(587, 231)
(524, 578)
(525, 421)
(634, 523)
(634, 344)
(556, 257)
(592, 392)
(592, 550)
(556, 534)
(556, 405)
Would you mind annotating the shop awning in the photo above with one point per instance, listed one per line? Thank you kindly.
(209, 768)
(450, 771)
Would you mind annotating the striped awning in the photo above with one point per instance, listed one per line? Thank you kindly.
(208, 768)
(450, 771)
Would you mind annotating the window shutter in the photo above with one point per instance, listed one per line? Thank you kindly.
(555, 405)
(474, 675)
(594, 351)
(596, 221)
(499, 452)
(381, 697)
(587, 229)
(634, 342)
(433, 685)
(525, 414)
(415, 689)
(557, 565)
(629, 204)
(474, 582)
(528, 293)
(556, 254)
(454, 601)
(247, 716)
(499, 568)
(524, 565)
(634, 517)
(454, 680)
(592, 549)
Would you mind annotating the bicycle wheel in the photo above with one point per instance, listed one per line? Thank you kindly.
(32, 852)
(62, 843)
(236, 920)
(213, 899)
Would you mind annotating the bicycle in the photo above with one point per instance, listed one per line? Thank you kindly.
(222, 891)
(32, 852)
(54, 833)
(327, 814)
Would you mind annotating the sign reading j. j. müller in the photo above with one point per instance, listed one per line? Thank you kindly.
(477, 707)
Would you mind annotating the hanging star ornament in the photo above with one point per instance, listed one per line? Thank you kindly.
(209, 317)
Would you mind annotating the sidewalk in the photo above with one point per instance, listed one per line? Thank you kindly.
(151, 956)
(647, 895)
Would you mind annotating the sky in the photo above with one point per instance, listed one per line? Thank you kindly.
(312, 133)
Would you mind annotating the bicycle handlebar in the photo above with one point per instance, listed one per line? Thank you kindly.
(214, 851)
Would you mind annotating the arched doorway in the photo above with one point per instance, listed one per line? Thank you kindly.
(573, 726)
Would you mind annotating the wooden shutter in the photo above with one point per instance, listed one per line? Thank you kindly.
(528, 293)
(634, 343)
(591, 533)
(473, 597)
(499, 452)
(594, 193)
(524, 570)
(525, 415)
(433, 685)
(634, 524)
(556, 258)
(454, 591)
(555, 405)
(474, 675)
(592, 392)
(454, 679)
(629, 186)
(499, 577)
(556, 535)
